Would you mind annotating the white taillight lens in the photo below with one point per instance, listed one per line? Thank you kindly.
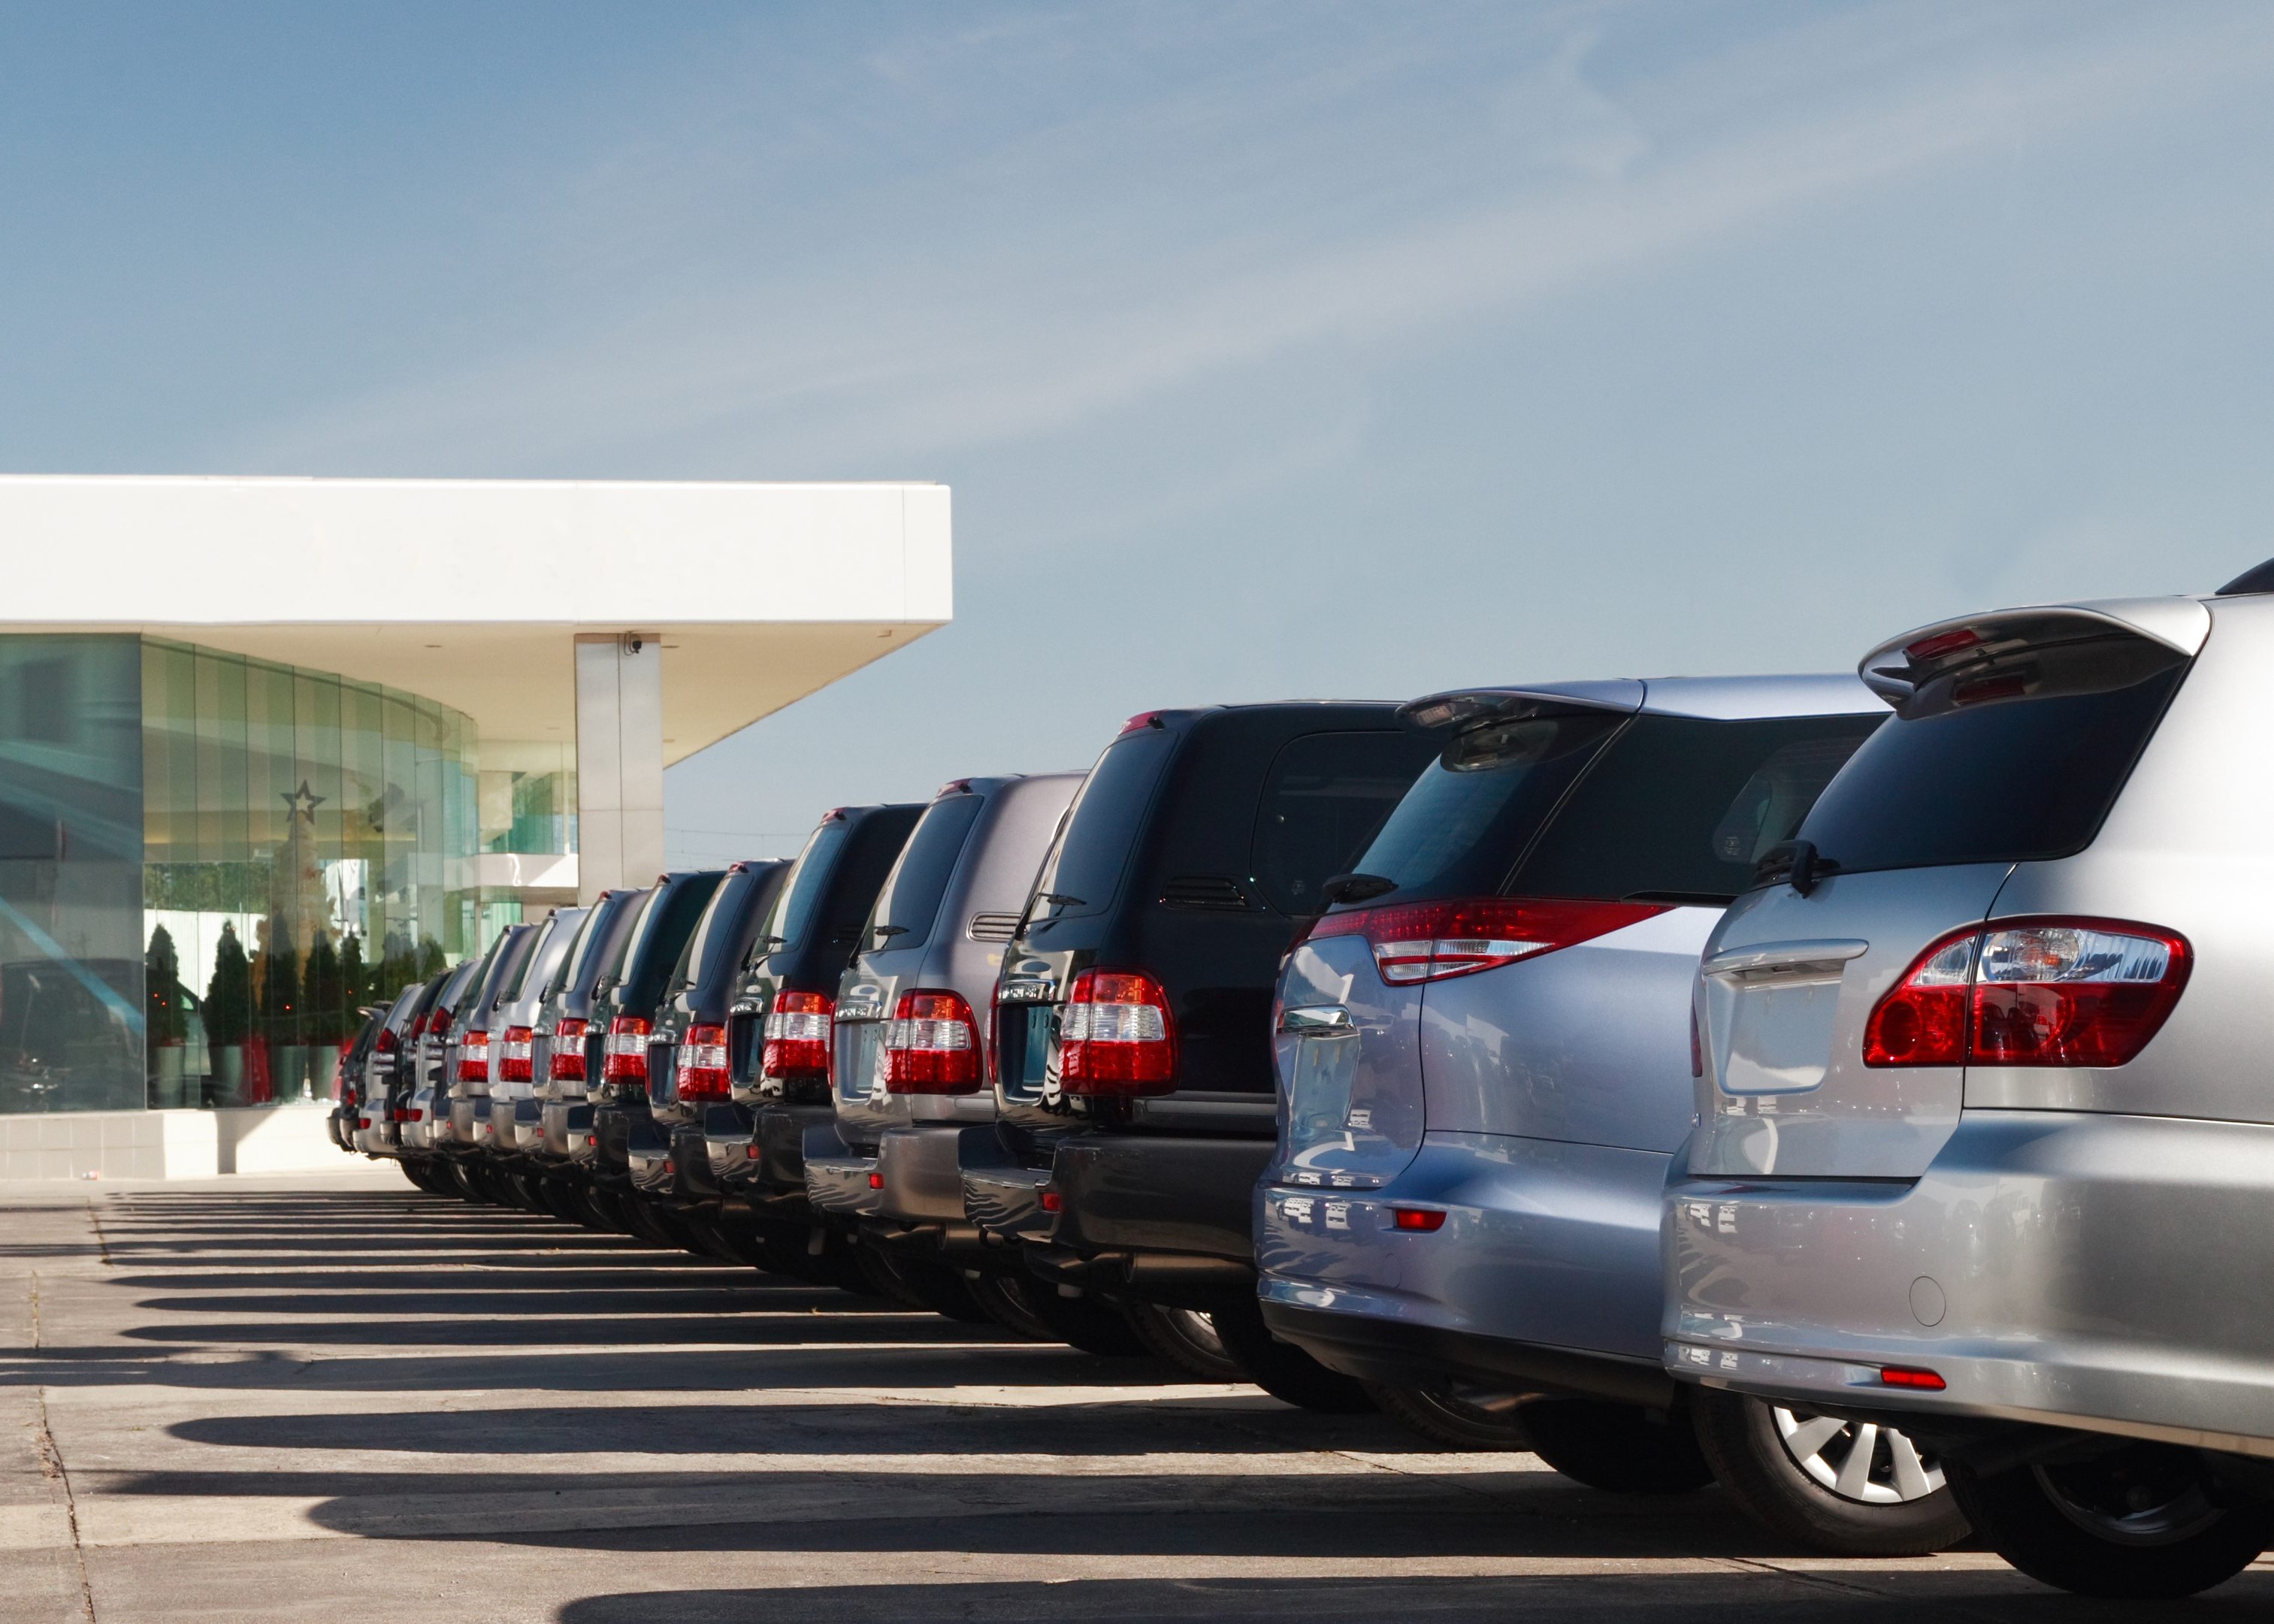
(797, 1033)
(1115, 1036)
(931, 1045)
(623, 1053)
(702, 1073)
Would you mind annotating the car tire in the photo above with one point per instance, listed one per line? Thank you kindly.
(1088, 1322)
(1623, 1448)
(1790, 1471)
(465, 1185)
(1282, 1369)
(2080, 1527)
(419, 1174)
(924, 1282)
(1005, 1301)
(1186, 1338)
(1438, 1415)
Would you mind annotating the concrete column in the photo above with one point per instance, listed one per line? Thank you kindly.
(619, 761)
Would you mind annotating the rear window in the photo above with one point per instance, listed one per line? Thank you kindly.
(1084, 868)
(793, 911)
(1679, 809)
(1472, 813)
(910, 900)
(2014, 764)
(715, 932)
(564, 973)
(1324, 799)
(1594, 805)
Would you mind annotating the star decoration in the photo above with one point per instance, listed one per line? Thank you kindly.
(304, 801)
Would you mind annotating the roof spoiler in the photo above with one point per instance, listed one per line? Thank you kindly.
(1459, 707)
(1899, 667)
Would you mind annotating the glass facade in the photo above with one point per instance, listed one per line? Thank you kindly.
(209, 863)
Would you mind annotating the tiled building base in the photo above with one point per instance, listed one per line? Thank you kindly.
(194, 1144)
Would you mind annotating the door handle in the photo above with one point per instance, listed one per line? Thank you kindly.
(1317, 1020)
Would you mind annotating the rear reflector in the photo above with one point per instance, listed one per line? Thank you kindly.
(474, 1057)
(931, 1044)
(514, 1056)
(876, 1181)
(702, 1073)
(1415, 942)
(797, 1034)
(1115, 1036)
(1053, 1202)
(1920, 1380)
(623, 1058)
(1417, 1218)
(2031, 992)
(567, 1064)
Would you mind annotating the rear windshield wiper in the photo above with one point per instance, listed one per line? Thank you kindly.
(1340, 888)
(1795, 863)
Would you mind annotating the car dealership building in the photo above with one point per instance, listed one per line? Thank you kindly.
(271, 747)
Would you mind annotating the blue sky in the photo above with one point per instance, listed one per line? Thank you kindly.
(1273, 350)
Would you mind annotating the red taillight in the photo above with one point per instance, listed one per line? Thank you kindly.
(702, 1072)
(409, 1113)
(1919, 1380)
(1417, 942)
(388, 1042)
(797, 1033)
(1115, 1036)
(567, 1064)
(1422, 1218)
(1943, 643)
(363, 1121)
(2031, 992)
(514, 1056)
(623, 1056)
(474, 1057)
(931, 1045)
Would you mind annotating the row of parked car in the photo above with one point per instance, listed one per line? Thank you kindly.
(1852, 1091)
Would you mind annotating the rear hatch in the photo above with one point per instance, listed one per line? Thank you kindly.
(1544, 890)
(781, 1024)
(687, 1051)
(2012, 734)
(936, 1047)
(1137, 993)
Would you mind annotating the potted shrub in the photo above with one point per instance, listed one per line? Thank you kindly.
(279, 1016)
(165, 1022)
(228, 1016)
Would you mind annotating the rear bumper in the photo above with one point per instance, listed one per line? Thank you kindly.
(840, 1183)
(566, 1129)
(1159, 1216)
(1405, 1354)
(2115, 1274)
(774, 1178)
(1545, 1247)
(922, 1168)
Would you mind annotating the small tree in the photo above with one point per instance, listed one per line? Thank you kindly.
(355, 980)
(323, 993)
(162, 982)
(228, 996)
(280, 987)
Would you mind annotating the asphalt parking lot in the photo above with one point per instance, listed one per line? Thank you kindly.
(336, 1398)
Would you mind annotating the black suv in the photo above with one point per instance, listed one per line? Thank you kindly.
(625, 1015)
(689, 1086)
(782, 1021)
(1132, 1053)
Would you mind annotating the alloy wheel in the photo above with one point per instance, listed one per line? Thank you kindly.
(1858, 1461)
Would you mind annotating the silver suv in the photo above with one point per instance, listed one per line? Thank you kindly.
(1983, 1148)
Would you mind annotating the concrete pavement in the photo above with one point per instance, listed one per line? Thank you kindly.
(336, 1398)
